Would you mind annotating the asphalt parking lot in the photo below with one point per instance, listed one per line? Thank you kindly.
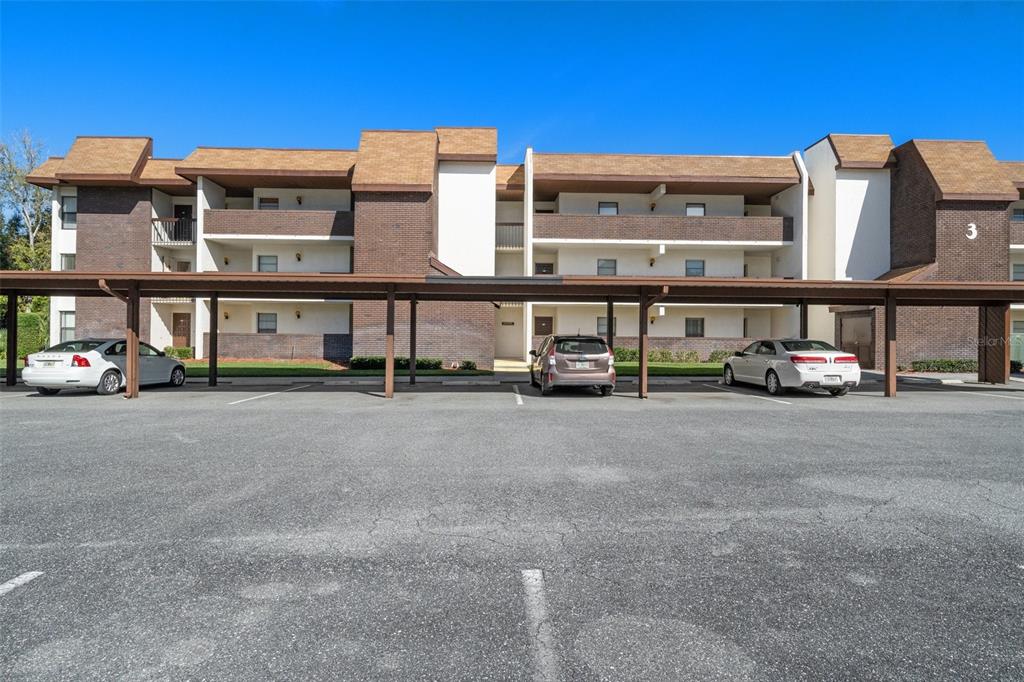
(485, 532)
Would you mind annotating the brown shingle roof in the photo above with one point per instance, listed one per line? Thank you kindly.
(664, 167)
(46, 174)
(965, 170)
(1015, 172)
(861, 151)
(396, 160)
(510, 176)
(467, 144)
(907, 274)
(158, 172)
(110, 159)
(263, 161)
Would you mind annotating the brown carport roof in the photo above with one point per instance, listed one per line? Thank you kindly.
(554, 288)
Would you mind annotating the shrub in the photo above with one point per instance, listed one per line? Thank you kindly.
(689, 356)
(379, 362)
(627, 354)
(719, 355)
(181, 352)
(429, 363)
(467, 364)
(941, 365)
(659, 355)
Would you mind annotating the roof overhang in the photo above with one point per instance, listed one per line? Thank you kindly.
(757, 189)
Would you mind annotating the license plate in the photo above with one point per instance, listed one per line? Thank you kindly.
(49, 364)
(582, 365)
(831, 380)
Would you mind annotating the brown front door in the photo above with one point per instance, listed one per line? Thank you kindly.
(181, 330)
(857, 336)
(182, 223)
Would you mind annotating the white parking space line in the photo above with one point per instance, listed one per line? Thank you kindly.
(542, 632)
(759, 397)
(19, 581)
(994, 395)
(267, 395)
(519, 398)
(968, 391)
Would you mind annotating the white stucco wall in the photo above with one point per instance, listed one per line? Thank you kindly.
(209, 195)
(316, 317)
(508, 264)
(466, 216)
(719, 322)
(508, 332)
(862, 224)
(161, 321)
(508, 212)
(61, 241)
(640, 204)
(789, 259)
(312, 199)
(582, 260)
(316, 256)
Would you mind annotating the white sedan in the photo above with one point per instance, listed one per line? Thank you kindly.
(779, 364)
(97, 364)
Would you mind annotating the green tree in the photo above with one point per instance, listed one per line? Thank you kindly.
(30, 203)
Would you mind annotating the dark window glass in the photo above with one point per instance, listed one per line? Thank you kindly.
(74, 347)
(602, 325)
(268, 203)
(1018, 215)
(67, 261)
(267, 263)
(694, 268)
(1018, 272)
(695, 210)
(802, 345)
(69, 213)
(266, 323)
(585, 346)
(543, 268)
(695, 326)
(607, 267)
(607, 208)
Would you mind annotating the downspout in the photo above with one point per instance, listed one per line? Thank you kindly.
(528, 249)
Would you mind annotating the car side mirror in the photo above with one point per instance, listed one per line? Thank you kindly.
(533, 353)
(161, 354)
(741, 353)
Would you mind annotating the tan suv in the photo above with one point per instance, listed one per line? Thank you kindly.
(573, 361)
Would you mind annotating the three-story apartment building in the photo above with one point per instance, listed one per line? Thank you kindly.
(437, 201)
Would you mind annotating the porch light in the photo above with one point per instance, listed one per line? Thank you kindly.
(226, 260)
(298, 314)
(226, 315)
(298, 256)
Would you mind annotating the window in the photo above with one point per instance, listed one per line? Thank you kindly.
(75, 346)
(802, 345)
(67, 325)
(67, 261)
(266, 323)
(695, 326)
(752, 348)
(694, 268)
(268, 204)
(543, 268)
(695, 210)
(69, 213)
(183, 266)
(1018, 272)
(1018, 215)
(607, 208)
(586, 346)
(266, 263)
(602, 325)
(746, 327)
(542, 325)
(148, 350)
(607, 266)
(766, 348)
(1017, 327)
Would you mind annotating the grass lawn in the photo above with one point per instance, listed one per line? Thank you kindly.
(286, 368)
(670, 369)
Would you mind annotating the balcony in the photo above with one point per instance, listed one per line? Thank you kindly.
(173, 299)
(174, 231)
(508, 236)
(322, 224)
(564, 226)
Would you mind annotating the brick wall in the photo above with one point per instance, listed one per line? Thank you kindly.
(704, 346)
(337, 347)
(114, 233)
(1017, 233)
(985, 258)
(299, 223)
(719, 228)
(911, 210)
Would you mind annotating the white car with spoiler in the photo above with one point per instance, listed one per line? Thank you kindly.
(779, 364)
(97, 364)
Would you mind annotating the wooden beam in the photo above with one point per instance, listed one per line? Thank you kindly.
(890, 347)
(645, 302)
(132, 347)
(389, 348)
(611, 324)
(412, 340)
(804, 323)
(214, 324)
(994, 344)
(11, 322)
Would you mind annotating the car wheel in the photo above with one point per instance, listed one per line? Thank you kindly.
(607, 390)
(839, 391)
(42, 390)
(773, 384)
(110, 382)
(727, 376)
(178, 376)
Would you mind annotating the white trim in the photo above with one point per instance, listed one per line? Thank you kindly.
(1017, 306)
(278, 238)
(1016, 247)
(654, 242)
(224, 299)
(602, 304)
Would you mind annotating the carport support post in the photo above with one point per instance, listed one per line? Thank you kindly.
(642, 346)
(412, 341)
(132, 350)
(890, 347)
(803, 320)
(212, 355)
(611, 324)
(11, 322)
(389, 348)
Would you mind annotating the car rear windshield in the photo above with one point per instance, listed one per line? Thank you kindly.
(807, 345)
(587, 346)
(74, 347)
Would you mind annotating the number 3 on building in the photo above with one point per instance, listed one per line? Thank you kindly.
(972, 231)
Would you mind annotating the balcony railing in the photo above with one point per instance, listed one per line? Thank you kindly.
(174, 231)
(287, 223)
(173, 299)
(508, 236)
(663, 227)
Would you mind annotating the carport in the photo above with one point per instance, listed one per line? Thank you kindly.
(992, 299)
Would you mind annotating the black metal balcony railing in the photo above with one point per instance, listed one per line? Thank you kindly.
(176, 231)
(508, 236)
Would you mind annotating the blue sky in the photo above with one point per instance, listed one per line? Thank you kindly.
(722, 78)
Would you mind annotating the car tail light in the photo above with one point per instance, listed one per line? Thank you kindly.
(551, 355)
(79, 361)
(807, 360)
(846, 359)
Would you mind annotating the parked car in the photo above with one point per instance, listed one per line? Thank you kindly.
(98, 364)
(573, 361)
(779, 364)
